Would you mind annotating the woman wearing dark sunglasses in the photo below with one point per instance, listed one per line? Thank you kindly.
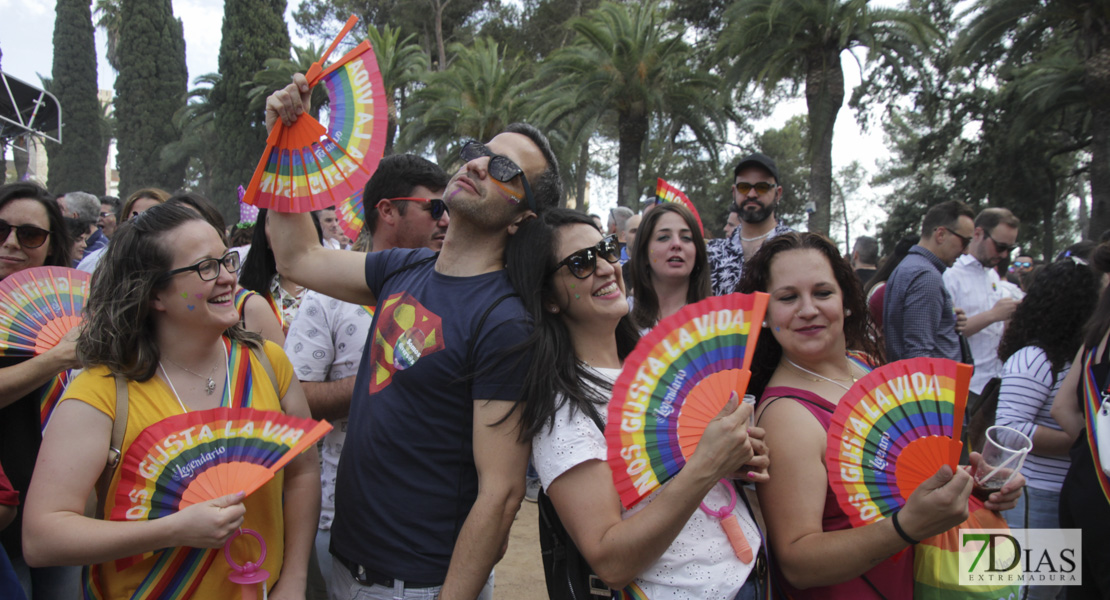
(669, 265)
(34, 235)
(161, 319)
(666, 546)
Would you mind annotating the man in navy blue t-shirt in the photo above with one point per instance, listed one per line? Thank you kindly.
(432, 472)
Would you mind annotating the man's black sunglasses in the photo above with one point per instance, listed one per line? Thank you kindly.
(583, 263)
(501, 168)
(436, 206)
(28, 236)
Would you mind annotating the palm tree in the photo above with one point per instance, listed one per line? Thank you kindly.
(196, 124)
(481, 92)
(108, 16)
(801, 41)
(402, 63)
(1060, 53)
(277, 72)
(627, 65)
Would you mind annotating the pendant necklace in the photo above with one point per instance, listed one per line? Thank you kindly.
(209, 386)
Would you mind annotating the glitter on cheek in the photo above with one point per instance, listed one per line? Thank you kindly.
(577, 297)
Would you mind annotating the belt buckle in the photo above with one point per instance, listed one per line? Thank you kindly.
(598, 587)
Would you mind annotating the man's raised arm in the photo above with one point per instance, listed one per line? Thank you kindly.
(297, 250)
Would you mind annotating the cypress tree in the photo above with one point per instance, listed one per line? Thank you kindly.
(253, 31)
(150, 88)
(75, 165)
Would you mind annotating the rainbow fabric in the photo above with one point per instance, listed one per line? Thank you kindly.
(51, 393)
(631, 592)
(936, 562)
(698, 341)
(352, 215)
(665, 192)
(1092, 401)
(307, 167)
(900, 416)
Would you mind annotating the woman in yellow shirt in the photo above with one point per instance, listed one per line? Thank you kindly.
(161, 314)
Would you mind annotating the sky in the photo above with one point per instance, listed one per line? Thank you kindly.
(27, 41)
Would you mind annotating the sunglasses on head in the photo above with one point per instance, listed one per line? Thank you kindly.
(209, 268)
(436, 206)
(28, 236)
(760, 188)
(500, 167)
(583, 263)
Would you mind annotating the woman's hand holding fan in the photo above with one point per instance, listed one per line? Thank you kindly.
(209, 524)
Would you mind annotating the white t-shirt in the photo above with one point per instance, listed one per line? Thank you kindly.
(700, 563)
(325, 343)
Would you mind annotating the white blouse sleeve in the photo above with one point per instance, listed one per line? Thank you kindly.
(573, 440)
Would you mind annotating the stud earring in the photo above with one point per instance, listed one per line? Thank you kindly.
(847, 312)
(765, 325)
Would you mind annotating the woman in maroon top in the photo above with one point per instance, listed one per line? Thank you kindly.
(816, 315)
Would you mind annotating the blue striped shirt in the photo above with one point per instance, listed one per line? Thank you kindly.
(918, 314)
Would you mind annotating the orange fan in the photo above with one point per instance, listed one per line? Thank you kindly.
(38, 306)
(308, 167)
(705, 402)
(891, 431)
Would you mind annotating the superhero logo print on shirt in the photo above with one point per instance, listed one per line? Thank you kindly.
(406, 332)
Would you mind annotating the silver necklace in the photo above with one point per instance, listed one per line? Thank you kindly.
(756, 238)
(209, 384)
(828, 379)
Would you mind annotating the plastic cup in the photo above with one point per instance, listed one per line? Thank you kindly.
(750, 399)
(1004, 454)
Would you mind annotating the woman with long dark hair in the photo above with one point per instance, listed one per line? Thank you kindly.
(1085, 493)
(35, 235)
(821, 342)
(1037, 347)
(160, 321)
(669, 265)
(260, 275)
(666, 546)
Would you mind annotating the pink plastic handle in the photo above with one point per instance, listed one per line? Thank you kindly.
(726, 509)
(250, 572)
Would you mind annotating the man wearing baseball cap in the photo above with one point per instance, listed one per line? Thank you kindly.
(756, 190)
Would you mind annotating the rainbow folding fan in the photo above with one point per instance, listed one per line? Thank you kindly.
(351, 215)
(38, 306)
(892, 430)
(308, 167)
(673, 383)
(665, 192)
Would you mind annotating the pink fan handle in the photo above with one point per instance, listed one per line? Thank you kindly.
(248, 574)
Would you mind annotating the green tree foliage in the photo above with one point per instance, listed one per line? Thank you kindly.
(1058, 52)
(628, 64)
(801, 41)
(75, 164)
(253, 31)
(108, 18)
(196, 122)
(402, 64)
(476, 98)
(278, 72)
(151, 85)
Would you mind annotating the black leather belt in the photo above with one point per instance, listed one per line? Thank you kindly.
(367, 576)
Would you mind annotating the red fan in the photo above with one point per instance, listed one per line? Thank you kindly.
(38, 306)
(308, 167)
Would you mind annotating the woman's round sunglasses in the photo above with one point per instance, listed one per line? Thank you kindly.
(28, 236)
(583, 263)
(436, 206)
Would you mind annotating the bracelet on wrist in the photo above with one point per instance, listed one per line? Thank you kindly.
(901, 532)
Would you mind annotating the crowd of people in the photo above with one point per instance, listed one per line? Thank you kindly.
(472, 330)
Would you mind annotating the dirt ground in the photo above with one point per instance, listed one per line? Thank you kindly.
(520, 572)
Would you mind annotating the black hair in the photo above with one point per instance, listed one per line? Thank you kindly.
(1099, 322)
(901, 249)
(396, 177)
(555, 371)
(1052, 314)
(205, 208)
(259, 267)
(548, 188)
(945, 214)
(60, 240)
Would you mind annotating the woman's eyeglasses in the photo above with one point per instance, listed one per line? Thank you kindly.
(583, 263)
(436, 206)
(209, 268)
(500, 168)
(28, 236)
